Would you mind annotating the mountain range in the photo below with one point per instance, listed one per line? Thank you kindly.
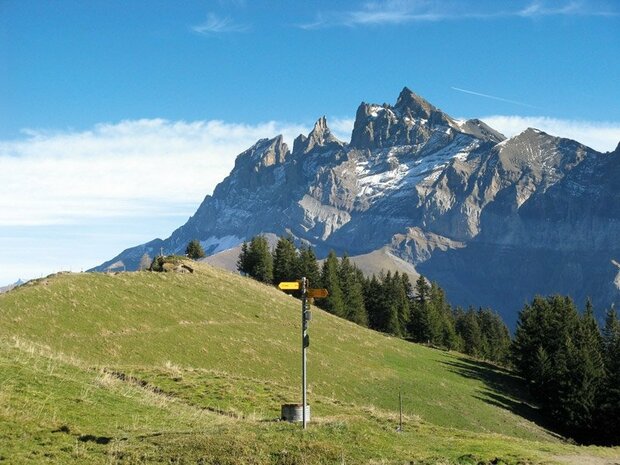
(493, 220)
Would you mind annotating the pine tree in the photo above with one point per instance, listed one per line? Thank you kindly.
(390, 320)
(469, 330)
(285, 261)
(373, 300)
(330, 278)
(308, 267)
(546, 322)
(419, 309)
(194, 250)
(587, 373)
(495, 336)
(428, 312)
(435, 312)
(243, 264)
(353, 292)
(560, 353)
(402, 291)
(609, 398)
(259, 260)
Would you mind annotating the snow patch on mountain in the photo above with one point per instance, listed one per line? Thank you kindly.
(381, 173)
(215, 244)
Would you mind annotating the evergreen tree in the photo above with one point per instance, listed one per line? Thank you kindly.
(194, 250)
(390, 311)
(546, 322)
(611, 332)
(259, 260)
(587, 373)
(334, 303)
(285, 261)
(308, 267)
(243, 264)
(373, 301)
(353, 292)
(402, 296)
(469, 330)
(427, 313)
(495, 336)
(561, 354)
(419, 308)
(436, 312)
(609, 398)
(457, 316)
(449, 338)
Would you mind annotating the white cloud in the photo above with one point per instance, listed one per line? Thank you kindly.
(602, 136)
(138, 168)
(341, 128)
(392, 12)
(541, 8)
(217, 25)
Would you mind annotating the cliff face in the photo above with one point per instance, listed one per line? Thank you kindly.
(494, 221)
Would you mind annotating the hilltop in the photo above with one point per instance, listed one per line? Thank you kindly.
(192, 368)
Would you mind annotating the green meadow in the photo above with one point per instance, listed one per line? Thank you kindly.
(192, 368)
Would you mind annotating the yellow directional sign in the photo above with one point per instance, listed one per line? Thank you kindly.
(289, 285)
(317, 293)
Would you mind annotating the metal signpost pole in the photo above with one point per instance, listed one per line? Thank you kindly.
(307, 296)
(304, 333)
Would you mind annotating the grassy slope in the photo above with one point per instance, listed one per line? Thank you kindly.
(220, 354)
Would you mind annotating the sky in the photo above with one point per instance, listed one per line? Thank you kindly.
(117, 117)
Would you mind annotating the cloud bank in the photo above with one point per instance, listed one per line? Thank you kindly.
(140, 168)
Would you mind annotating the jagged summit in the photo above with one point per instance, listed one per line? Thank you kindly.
(411, 121)
(320, 136)
(264, 153)
(412, 104)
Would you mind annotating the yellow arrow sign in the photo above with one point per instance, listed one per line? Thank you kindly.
(317, 293)
(289, 285)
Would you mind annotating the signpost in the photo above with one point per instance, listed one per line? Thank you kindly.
(317, 293)
(306, 316)
(289, 286)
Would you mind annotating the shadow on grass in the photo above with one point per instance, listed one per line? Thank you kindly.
(503, 390)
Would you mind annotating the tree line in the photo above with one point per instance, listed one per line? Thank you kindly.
(388, 302)
(572, 366)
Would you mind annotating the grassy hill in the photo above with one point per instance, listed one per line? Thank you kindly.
(192, 368)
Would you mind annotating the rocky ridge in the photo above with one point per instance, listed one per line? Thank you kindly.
(493, 220)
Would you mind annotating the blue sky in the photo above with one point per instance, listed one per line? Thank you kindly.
(99, 98)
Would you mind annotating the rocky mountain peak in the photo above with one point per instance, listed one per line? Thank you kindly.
(264, 153)
(320, 136)
(414, 105)
(410, 121)
(480, 130)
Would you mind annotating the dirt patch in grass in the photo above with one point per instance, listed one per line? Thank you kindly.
(587, 460)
